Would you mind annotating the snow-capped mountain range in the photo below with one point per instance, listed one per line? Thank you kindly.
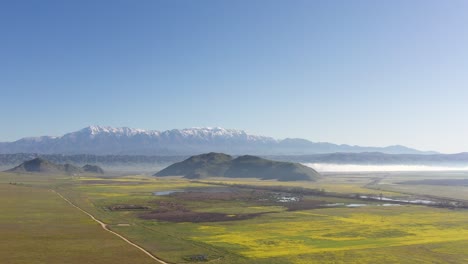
(101, 140)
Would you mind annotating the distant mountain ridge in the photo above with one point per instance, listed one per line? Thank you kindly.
(247, 166)
(100, 140)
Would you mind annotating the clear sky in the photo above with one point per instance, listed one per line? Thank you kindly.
(372, 73)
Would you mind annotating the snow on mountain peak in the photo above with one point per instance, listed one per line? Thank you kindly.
(219, 131)
(124, 140)
(99, 130)
(203, 133)
(37, 139)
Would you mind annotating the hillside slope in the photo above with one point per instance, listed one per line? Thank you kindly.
(40, 165)
(222, 165)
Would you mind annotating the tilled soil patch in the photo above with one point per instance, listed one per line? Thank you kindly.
(174, 212)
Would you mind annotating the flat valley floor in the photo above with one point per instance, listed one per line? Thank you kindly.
(234, 221)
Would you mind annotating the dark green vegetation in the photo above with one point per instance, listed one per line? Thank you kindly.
(222, 165)
(92, 169)
(40, 165)
(205, 165)
(255, 167)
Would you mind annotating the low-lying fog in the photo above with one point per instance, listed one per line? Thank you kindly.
(325, 167)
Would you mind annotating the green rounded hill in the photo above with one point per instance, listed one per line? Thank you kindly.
(40, 165)
(92, 169)
(222, 165)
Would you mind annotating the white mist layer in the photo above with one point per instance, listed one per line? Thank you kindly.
(326, 167)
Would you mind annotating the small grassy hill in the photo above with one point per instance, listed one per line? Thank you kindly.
(40, 165)
(200, 166)
(92, 169)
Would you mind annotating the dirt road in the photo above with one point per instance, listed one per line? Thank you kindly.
(104, 226)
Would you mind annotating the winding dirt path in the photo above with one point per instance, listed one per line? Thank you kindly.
(104, 226)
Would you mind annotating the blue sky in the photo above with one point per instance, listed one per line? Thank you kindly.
(356, 72)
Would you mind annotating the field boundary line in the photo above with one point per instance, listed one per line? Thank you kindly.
(104, 226)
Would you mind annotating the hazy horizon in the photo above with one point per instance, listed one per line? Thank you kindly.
(350, 168)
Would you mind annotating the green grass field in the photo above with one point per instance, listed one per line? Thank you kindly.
(368, 234)
(37, 226)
